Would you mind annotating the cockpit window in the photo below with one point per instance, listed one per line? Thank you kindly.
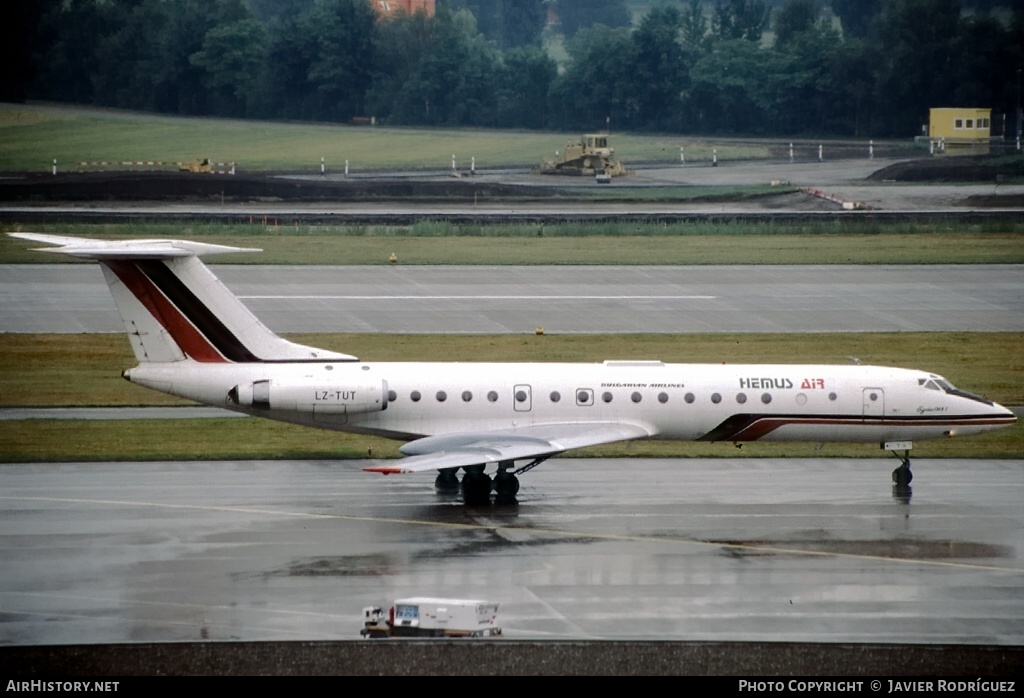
(936, 383)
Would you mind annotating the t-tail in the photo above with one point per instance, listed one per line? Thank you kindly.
(175, 309)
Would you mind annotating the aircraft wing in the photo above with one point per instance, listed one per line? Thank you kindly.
(455, 450)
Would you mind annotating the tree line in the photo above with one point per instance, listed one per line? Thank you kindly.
(842, 68)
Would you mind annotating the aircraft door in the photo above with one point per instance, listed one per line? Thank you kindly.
(874, 403)
(522, 398)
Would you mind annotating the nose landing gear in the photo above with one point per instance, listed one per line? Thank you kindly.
(901, 476)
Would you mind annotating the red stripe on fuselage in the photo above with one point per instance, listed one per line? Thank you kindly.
(184, 333)
(766, 425)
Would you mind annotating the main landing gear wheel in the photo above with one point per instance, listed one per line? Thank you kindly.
(476, 485)
(505, 483)
(447, 480)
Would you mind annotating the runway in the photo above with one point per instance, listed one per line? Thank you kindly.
(563, 300)
(663, 549)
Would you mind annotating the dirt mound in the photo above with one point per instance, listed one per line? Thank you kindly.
(184, 186)
(993, 201)
(947, 168)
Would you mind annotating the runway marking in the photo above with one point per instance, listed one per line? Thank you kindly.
(202, 624)
(157, 604)
(781, 550)
(480, 298)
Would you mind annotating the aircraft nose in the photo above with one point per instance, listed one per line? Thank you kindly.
(1002, 416)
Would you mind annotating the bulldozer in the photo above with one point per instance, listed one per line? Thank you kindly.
(589, 157)
(195, 166)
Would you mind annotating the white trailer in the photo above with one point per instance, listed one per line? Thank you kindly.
(432, 617)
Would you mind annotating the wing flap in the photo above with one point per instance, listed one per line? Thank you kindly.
(480, 448)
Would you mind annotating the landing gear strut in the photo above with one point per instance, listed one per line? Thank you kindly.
(477, 485)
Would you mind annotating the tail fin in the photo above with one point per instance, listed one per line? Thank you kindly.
(174, 308)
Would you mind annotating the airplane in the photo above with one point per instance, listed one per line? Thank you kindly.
(193, 338)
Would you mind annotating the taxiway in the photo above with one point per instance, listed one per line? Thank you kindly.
(665, 549)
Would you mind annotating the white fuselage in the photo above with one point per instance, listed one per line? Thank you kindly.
(814, 403)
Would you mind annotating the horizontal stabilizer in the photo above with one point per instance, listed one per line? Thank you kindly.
(173, 306)
(127, 249)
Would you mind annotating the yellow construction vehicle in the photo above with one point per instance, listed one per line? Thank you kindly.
(195, 166)
(590, 156)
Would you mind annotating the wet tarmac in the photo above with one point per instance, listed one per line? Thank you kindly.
(721, 550)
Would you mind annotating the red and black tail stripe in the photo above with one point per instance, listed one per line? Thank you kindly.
(192, 325)
(751, 427)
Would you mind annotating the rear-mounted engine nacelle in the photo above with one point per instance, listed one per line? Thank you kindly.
(316, 397)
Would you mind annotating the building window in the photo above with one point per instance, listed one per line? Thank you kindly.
(958, 123)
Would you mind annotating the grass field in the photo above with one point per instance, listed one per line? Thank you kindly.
(36, 372)
(439, 242)
(32, 136)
